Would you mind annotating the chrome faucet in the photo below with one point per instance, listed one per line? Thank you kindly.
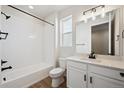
(92, 55)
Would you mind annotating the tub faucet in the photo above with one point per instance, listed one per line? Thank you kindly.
(2, 69)
(92, 55)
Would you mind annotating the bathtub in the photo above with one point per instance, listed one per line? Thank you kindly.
(25, 77)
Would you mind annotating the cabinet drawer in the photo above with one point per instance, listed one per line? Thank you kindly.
(76, 64)
(115, 74)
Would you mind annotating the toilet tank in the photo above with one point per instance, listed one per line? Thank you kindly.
(62, 63)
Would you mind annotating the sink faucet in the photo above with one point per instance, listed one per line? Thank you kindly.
(92, 55)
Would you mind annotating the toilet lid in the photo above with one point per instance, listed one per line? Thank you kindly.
(56, 70)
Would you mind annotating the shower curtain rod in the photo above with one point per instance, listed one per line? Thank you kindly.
(31, 15)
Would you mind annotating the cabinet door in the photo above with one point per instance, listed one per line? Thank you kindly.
(98, 81)
(121, 16)
(122, 28)
(0, 50)
(76, 78)
(123, 41)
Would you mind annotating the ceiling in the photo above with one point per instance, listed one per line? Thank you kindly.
(43, 10)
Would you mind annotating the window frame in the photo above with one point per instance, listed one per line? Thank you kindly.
(62, 33)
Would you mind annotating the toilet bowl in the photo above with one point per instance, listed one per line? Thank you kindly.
(57, 74)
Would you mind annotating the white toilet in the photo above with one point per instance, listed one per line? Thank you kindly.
(57, 74)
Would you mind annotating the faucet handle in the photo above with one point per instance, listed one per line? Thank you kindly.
(92, 52)
(2, 62)
(92, 55)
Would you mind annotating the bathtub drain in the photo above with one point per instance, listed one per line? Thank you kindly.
(4, 78)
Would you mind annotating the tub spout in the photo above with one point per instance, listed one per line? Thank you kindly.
(2, 69)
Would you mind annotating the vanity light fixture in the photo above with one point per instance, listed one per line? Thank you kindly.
(31, 7)
(93, 10)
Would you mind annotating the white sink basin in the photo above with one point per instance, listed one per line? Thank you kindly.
(91, 60)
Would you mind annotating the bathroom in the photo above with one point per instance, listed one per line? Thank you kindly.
(62, 46)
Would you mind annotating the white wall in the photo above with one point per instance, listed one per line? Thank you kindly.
(23, 46)
(76, 12)
(77, 16)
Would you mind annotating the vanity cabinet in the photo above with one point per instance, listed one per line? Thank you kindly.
(82, 75)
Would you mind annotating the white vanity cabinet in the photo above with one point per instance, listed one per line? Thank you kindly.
(76, 75)
(82, 75)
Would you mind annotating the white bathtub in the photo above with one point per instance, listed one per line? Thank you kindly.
(25, 77)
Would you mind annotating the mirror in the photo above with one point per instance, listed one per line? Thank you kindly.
(100, 35)
(100, 38)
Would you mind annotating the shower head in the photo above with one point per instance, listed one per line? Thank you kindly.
(7, 17)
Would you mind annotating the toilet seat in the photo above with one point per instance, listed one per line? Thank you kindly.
(56, 72)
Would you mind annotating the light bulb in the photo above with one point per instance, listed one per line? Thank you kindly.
(85, 20)
(93, 16)
(102, 15)
(31, 7)
(103, 12)
(103, 9)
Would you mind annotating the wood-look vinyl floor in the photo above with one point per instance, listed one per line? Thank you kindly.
(46, 83)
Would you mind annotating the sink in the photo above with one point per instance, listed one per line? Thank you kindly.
(91, 60)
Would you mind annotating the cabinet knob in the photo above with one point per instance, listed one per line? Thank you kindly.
(85, 78)
(123, 34)
(91, 81)
(122, 74)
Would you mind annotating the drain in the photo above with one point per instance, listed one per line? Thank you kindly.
(4, 79)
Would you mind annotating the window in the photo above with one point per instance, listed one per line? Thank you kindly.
(66, 32)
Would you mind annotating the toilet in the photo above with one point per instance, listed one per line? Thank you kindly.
(57, 74)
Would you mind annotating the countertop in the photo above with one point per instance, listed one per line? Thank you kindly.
(111, 63)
